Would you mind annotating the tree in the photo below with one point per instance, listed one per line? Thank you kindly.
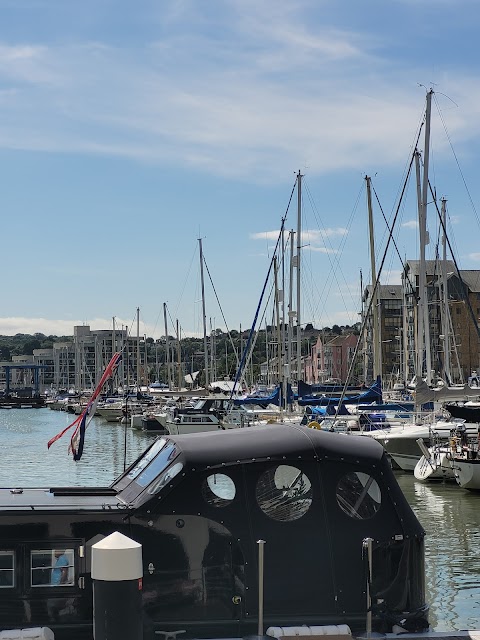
(29, 346)
(337, 330)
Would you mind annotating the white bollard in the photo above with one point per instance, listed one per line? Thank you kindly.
(117, 588)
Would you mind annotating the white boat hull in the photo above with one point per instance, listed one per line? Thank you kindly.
(437, 467)
(467, 473)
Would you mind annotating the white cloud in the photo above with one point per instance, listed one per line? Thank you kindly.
(474, 256)
(245, 103)
(310, 237)
(9, 326)
(410, 224)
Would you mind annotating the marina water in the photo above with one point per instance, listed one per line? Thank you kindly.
(449, 515)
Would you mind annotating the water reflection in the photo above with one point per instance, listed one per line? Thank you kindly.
(451, 519)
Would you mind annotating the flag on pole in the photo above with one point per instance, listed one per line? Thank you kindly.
(81, 423)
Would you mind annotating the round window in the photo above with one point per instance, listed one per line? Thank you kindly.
(284, 493)
(218, 490)
(358, 495)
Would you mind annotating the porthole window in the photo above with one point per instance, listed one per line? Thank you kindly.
(7, 569)
(218, 490)
(284, 493)
(358, 495)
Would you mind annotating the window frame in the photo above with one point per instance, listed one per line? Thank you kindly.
(12, 553)
(70, 548)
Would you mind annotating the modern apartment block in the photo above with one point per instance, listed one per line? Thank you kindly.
(389, 309)
(79, 364)
(453, 335)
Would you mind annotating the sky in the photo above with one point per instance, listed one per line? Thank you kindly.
(130, 130)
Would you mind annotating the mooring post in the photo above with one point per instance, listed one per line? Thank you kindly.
(117, 588)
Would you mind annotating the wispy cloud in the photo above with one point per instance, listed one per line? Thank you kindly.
(243, 100)
(311, 236)
(410, 224)
(10, 326)
(474, 256)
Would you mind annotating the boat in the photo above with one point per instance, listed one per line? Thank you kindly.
(198, 504)
(371, 394)
(468, 411)
(465, 461)
(401, 441)
(435, 463)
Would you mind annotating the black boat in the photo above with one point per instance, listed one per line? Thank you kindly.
(469, 413)
(198, 504)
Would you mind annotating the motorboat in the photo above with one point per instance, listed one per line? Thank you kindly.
(199, 504)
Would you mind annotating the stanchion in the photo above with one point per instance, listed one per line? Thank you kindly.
(117, 588)
(367, 546)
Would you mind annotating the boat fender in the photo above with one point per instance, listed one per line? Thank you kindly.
(314, 425)
(34, 633)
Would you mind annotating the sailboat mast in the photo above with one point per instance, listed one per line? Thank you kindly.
(278, 331)
(167, 348)
(298, 263)
(377, 345)
(423, 332)
(138, 349)
(291, 313)
(205, 344)
(179, 357)
(445, 310)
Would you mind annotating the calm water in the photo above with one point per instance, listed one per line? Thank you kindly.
(450, 515)
(25, 460)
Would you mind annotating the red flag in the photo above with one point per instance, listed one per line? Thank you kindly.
(83, 420)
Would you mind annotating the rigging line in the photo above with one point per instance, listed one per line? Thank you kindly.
(456, 160)
(178, 332)
(254, 342)
(252, 330)
(372, 296)
(462, 282)
(185, 281)
(221, 310)
(249, 340)
(390, 231)
(334, 263)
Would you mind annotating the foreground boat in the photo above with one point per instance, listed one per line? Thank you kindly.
(198, 504)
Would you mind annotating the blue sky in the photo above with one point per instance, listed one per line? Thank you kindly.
(130, 130)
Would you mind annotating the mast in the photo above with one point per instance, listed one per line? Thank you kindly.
(291, 313)
(278, 331)
(444, 307)
(114, 344)
(138, 349)
(298, 262)
(204, 317)
(423, 330)
(167, 348)
(377, 345)
(179, 358)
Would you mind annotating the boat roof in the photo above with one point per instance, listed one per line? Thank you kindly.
(249, 444)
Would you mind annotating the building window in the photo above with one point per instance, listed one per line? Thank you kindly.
(7, 569)
(284, 493)
(52, 568)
